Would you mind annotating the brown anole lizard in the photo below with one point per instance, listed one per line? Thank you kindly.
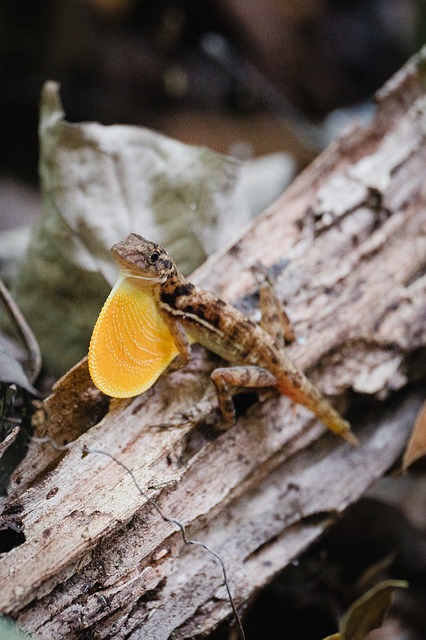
(153, 314)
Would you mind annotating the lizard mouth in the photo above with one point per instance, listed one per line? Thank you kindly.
(153, 279)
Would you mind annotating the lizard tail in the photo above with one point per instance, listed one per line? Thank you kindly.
(311, 398)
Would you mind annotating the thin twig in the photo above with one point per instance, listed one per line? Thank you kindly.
(33, 350)
(151, 501)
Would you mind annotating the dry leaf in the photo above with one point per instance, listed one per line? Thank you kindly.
(369, 611)
(100, 183)
(11, 370)
(416, 447)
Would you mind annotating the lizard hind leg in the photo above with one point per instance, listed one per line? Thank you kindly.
(247, 377)
(274, 320)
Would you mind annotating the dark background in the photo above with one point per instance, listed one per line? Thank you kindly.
(212, 72)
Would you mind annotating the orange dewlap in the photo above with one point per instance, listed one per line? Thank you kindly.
(131, 344)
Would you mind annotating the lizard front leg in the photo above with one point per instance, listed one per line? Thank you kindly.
(179, 338)
(247, 377)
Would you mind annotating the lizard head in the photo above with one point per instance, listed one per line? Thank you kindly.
(144, 260)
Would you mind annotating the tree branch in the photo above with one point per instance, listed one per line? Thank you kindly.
(96, 555)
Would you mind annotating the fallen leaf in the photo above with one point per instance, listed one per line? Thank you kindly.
(11, 370)
(416, 448)
(369, 611)
(16, 390)
(100, 183)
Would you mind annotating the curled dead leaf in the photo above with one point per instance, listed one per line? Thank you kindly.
(368, 612)
(11, 370)
(416, 448)
(99, 183)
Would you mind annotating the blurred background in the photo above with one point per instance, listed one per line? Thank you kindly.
(245, 78)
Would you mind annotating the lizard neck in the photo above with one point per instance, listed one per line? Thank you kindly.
(174, 294)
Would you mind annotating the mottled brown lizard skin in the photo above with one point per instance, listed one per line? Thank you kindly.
(194, 315)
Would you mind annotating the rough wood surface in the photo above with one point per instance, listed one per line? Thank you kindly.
(97, 558)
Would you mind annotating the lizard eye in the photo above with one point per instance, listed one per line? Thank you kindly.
(153, 258)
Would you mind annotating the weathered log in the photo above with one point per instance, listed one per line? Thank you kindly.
(97, 556)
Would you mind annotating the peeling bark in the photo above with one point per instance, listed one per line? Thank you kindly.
(97, 557)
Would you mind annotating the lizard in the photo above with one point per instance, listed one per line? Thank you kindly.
(154, 314)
